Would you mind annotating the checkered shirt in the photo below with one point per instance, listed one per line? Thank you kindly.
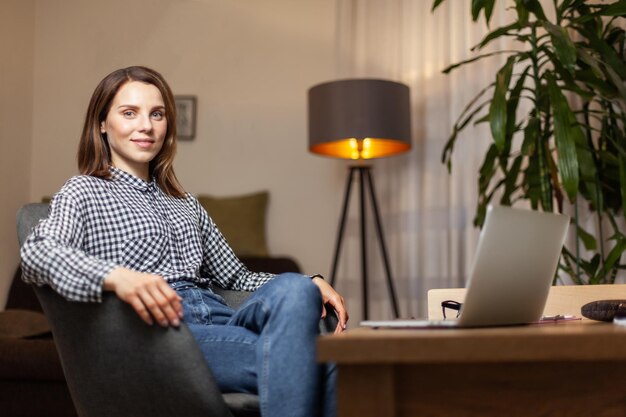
(95, 225)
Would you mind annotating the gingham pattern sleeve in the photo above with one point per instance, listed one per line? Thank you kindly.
(52, 254)
(220, 262)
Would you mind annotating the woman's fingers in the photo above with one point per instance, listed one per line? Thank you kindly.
(166, 305)
(149, 295)
(159, 303)
(332, 297)
(339, 305)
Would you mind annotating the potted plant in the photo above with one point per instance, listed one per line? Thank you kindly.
(569, 147)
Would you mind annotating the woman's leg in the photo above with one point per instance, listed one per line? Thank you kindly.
(285, 313)
(269, 343)
(230, 351)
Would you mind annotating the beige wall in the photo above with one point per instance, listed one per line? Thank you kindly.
(250, 64)
(16, 104)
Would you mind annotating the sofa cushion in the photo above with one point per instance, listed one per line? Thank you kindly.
(21, 295)
(21, 324)
(271, 264)
(241, 219)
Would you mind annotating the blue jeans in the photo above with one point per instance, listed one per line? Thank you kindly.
(266, 346)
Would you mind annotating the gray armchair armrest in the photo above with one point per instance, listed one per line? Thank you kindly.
(115, 364)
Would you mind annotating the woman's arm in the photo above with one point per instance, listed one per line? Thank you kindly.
(52, 254)
(229, 272)
(220, 262)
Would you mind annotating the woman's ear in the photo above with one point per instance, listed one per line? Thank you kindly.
(102, 127)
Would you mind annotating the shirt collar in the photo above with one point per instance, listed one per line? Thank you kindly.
(129, 179)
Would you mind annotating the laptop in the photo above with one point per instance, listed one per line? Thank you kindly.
(516, 260)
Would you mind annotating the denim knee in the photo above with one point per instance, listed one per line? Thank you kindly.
(296, 291)
(297, 286)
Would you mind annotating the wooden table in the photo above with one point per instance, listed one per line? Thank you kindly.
(566, 369)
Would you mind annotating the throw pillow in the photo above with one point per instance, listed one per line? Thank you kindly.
(241, 219)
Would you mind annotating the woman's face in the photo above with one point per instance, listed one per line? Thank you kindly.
(135, 127)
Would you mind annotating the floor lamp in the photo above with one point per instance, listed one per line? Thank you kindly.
(360, 119)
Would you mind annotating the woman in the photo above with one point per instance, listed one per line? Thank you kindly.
(126, 225)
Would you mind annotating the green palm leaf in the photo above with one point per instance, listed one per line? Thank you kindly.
(498, 108)
(565, 130)
(563, 45)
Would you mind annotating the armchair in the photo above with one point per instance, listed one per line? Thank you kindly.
(114, 364)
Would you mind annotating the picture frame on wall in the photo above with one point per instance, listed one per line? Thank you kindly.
(186, 116)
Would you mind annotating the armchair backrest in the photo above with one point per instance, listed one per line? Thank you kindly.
(27, 217)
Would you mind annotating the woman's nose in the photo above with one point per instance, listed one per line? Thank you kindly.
(146, 124)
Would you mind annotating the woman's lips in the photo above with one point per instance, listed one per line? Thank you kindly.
(143, 143)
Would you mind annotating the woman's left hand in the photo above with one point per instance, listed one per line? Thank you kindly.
(332, 297)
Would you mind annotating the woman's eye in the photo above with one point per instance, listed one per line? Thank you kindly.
(128, 113)
(158, 115)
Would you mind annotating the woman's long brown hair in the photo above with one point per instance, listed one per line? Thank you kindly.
(94, 155)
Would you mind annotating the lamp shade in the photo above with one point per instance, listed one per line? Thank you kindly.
(359, 118)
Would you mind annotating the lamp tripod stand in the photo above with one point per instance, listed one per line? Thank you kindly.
(366, 185)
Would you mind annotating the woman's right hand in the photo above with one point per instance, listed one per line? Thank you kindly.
(149, 294)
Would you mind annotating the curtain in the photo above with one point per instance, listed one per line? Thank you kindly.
(427, 213)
